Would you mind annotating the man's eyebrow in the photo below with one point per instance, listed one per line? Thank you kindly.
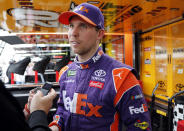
(79, 23)
(83, 23)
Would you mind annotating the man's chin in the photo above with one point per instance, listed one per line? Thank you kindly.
(76, 52)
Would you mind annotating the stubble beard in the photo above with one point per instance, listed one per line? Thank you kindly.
(84, 53)
(81, 52)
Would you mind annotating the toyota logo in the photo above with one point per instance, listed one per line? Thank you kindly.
(100, 73)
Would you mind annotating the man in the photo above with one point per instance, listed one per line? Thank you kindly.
(12, 117)
(97, 92)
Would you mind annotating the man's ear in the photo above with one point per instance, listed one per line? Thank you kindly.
(101, 33)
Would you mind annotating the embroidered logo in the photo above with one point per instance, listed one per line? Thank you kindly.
(97, 57)
(142, 125)
(100, 73)
(69, 81)
(78, 104)
(96, 84)
(136, 97)
(82, 8)
(138, 110)
(84, 66)
(119, 74)
(71, 73)
(56, 118)
(98, 79)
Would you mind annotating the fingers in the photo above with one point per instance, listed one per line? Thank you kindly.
(32, 92)
(51, 95)
(40, 102)
(39, 93)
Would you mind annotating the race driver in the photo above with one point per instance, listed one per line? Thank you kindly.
(97, 93)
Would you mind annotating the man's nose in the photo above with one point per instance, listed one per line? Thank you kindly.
(75, 32)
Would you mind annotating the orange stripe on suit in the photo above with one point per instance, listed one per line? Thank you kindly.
(63, 70)
(123, 81)
(115, 124)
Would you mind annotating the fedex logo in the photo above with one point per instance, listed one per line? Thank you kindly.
(75, 105)
(141, 109)
(82, 8)
(97, 57)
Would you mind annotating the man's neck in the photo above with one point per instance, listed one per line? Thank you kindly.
(84, 58)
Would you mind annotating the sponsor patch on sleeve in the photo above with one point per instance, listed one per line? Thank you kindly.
(142, 125)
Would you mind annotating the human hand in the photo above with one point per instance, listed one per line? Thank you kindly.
(40, 102)
(27, 105)
(31, 94)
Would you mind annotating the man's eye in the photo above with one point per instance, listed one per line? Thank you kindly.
(83, 26)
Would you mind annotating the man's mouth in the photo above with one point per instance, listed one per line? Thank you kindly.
(74, 42)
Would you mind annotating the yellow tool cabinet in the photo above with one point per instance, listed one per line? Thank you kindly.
(162, 60)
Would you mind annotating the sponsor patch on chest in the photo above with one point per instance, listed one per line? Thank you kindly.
(99, 75)
(79, 105)
(96, 84)
(71, 73)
